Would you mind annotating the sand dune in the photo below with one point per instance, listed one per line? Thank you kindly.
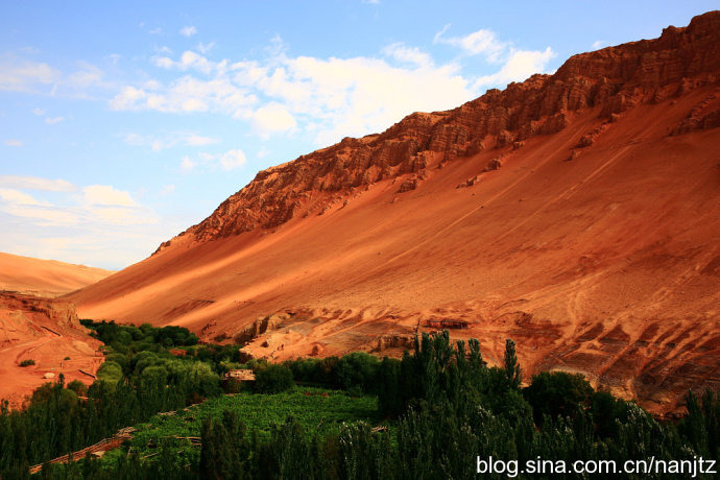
(576, 213)
(45, 278)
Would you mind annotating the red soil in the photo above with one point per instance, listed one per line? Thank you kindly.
(48, 332)
(576, 213)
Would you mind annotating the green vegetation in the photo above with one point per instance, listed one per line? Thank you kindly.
(273, 379)
(431, 414)
(27, 363)
(315, 409)
(139, 378)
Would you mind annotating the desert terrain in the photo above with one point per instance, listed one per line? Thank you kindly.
(46, 331)
(35, 326)
(45, 278)
(577, 213)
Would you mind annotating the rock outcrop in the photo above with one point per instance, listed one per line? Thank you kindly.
(48, 332)
(611, 80)
(576, 213)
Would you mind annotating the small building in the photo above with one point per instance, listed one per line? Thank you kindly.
(241, 374)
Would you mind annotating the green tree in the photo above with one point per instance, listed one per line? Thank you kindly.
(273, 379)
(512, 367)
(558, 393)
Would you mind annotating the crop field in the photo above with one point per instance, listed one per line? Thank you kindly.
(317, 410)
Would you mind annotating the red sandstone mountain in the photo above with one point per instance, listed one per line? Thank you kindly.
(46, 278)
(48, 332)
(577, 213)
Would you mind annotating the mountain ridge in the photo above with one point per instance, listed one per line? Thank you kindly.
(681, 60)
(576, 213)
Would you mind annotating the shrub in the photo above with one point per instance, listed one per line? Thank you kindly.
(110, 373)
(357, 371)
(273, 379)
(558, 393)
(27, 363)
(78, 387)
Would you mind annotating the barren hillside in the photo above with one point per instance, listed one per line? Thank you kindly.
(45, 278)
(46, 331)
(576, 213)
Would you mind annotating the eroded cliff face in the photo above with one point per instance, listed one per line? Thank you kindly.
(48, 332)
(577, 213)
(611, 80)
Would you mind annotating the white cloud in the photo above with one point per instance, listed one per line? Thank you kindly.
(329, 98)
(98, 204)
(28, 76)
(127, 99)
(517, 64)
(232, 159)
(360, 95)
(186, 95)
(54, 120)
(198, 140)
(17, 197)
(13, 142)
(36, 183)
(105, 195)
(521, 65)
(75, 227)
(272, 118)
(169, 140)
(25, 76)
(20, 204)
(480, 42)
(164, 62)
(205, 48)
(164, 50)
(188, 31)
(46, 216)
(187, 165)
(227, 161)
(88, 76)
(190, 60)
(39, 112)
(412, 55)
(134, 139)
(118, 215)
(598, 44)
(333, 97)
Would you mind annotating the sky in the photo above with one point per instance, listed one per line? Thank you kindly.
(124, 123)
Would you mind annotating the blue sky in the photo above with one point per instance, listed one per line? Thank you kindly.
(122, 125)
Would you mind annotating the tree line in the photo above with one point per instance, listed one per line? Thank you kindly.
(444, 408)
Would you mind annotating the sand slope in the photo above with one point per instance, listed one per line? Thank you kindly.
(46, 278)
(578, 214)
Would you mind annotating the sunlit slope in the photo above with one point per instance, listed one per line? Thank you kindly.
(48, 278)
(575, 213)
